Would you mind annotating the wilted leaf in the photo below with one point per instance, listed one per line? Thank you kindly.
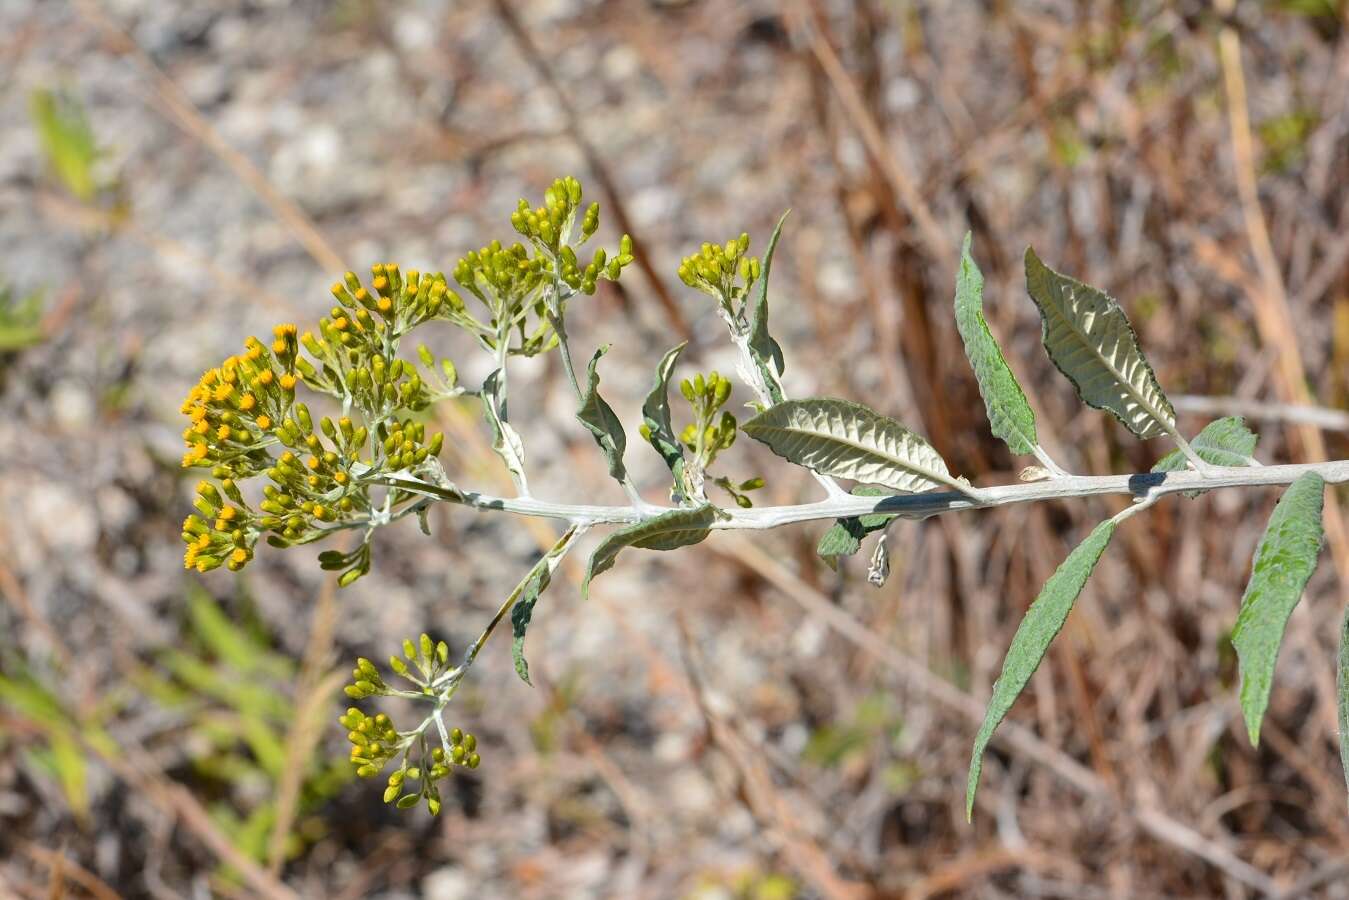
(1284, 561)
(1041, 624)
(600, 420)
(667, 531)
(505, 439)
(847, 440)
(656, 417)
(1009, 414)
(521, 614)
(1091, 341)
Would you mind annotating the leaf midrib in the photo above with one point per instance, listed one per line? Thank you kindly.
(916, 469)
(1119, 376)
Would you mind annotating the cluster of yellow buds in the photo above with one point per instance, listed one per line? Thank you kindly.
(375, 743)
(245, 410)
(234, 408)
(706, 435)
(222, 533)
(549, 227)
(724, 272)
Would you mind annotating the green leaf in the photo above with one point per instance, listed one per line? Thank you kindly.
(667, 531)
(67, 141)
(600, 420)
(1042, 622)
(1009, 414)
(1284, 561)
(1091, 341)
(847, 440)
(761, 344)
(844, 537)
(656, 417)
(1223, 442)
(1342, 691)
(523, 611)
(505, 439)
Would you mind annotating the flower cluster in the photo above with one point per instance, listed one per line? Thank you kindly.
(245, 421)
(375, 742)
(724, 272)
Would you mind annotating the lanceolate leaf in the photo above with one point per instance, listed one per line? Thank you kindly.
(667, 531)
(656, 417)
(1042, 622)
(521, 614)
(1342, 690)
(1284, 561)
(1223, 442)
(505, 439)
(761, 343)
(844, 537)
(1009, 414)
(847, 440)
(600, 420)
(1090, 340)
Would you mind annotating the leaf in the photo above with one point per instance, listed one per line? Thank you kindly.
(1091, 341)
(761, 344)
(1009, 414)
(848, 440)
(600, 420)
(1284, 561)
(1342, 692)
(1039, 627)
(844, 537)
(1223, 442)
(505, 439)
(667, 531)
(67, 140)
(656, 417)
(523, 611)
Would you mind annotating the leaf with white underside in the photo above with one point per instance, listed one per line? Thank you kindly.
(667, 531)
(762, 347)
(1041, 624)
(505, 439)
(656, 417)
(1284, 561)
(1009, 414)
(1223, 442)
(843, 439)
(600, 420)
(844, 537)
(1091, 341)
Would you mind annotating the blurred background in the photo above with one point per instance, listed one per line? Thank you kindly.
(733, 720)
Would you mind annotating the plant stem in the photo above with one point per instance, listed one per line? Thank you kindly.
(1142, 485)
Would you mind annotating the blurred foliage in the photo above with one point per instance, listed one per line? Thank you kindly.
(20, 320)
(60, 753)
(221, 685)
(1285, 139)
(222, 681)
(68, 141)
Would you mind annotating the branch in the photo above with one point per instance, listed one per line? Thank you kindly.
(1142, 486)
